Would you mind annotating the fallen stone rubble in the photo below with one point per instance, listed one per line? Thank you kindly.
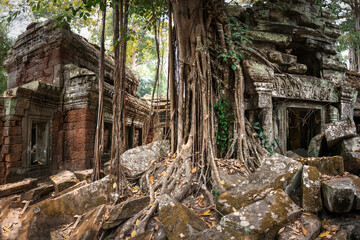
(303, 199)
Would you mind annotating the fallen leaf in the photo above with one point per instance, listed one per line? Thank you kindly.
(234, 209)
(174, 155)
(193, 170)
(151, 179)
(137, 222)
(239, 180)
(156, 227)
(157, 219)
(6, 229)
(151, 204)
(324, 234)
(207, 213)
(213, 223)
(164, 174)
(222, 182)
(307, 214)
(114, 185)
(281, 230)
(304, 231)
(133, 233)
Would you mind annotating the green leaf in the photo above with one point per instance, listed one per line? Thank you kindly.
(233, 67)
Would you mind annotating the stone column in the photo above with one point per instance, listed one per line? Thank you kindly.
(264, 103)
(347, 101)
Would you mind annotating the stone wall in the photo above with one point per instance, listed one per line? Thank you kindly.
(49, 110)
(299, 40)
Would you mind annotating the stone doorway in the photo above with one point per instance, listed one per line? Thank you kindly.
(302, 125)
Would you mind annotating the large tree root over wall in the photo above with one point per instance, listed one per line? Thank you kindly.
(201, 29)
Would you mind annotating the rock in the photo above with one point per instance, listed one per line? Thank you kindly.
(328, 63)
(281, 58)
(338, 194)
(276, 38)
(292, 155)
(38, 193)
(356, 182)
(125, 210)
(328, 165)
(89, 224)
(72, 188)
(337, 131)
(352, 162)
(311, 189)
(341, 235)
(63, 180)
(351, 144)
(275, 172)
(315, 145)
(144, 236)
(86, 174)
(44, 216)
(264, 217)
(178, 221)
(311, 223)
(137, 160)
(17, 187)
(297, 68)
(220, 233)
(258, 71)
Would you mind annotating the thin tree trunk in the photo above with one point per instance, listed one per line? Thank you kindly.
(117, 146)
(99, 137)
(171, 80)
(357, 28)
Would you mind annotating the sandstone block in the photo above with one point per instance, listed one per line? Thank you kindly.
(178, 220)
(311, 223)
(275, 172)
(338, 194)
(311, 189)
(89, 224)
(352, 162)
(63, 180)
(315, 145)
(125, 210)
(297, 68)
(17, 187)
(264, 217)
(137, 160)
(328, 165)
(337, 131)
(52, 213)
(38, 193)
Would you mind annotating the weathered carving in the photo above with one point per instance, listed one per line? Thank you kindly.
(308, 88)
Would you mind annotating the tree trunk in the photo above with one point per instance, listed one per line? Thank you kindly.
(99, 137)
(117, 146)
(171, 80)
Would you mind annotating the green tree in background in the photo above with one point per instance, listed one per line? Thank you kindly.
(347, 15)
(5, 44)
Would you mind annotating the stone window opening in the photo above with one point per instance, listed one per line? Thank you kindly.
(309, 59)
(302, 125)
(39, 142)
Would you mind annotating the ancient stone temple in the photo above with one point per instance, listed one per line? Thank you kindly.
(48, 113)
(307, 87)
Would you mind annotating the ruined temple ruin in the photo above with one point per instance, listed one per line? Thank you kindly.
(311, 89)
(48, 113)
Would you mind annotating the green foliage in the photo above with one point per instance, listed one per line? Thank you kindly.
(264, 142)
(5, 44)
(238, 38)
(225, 122)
